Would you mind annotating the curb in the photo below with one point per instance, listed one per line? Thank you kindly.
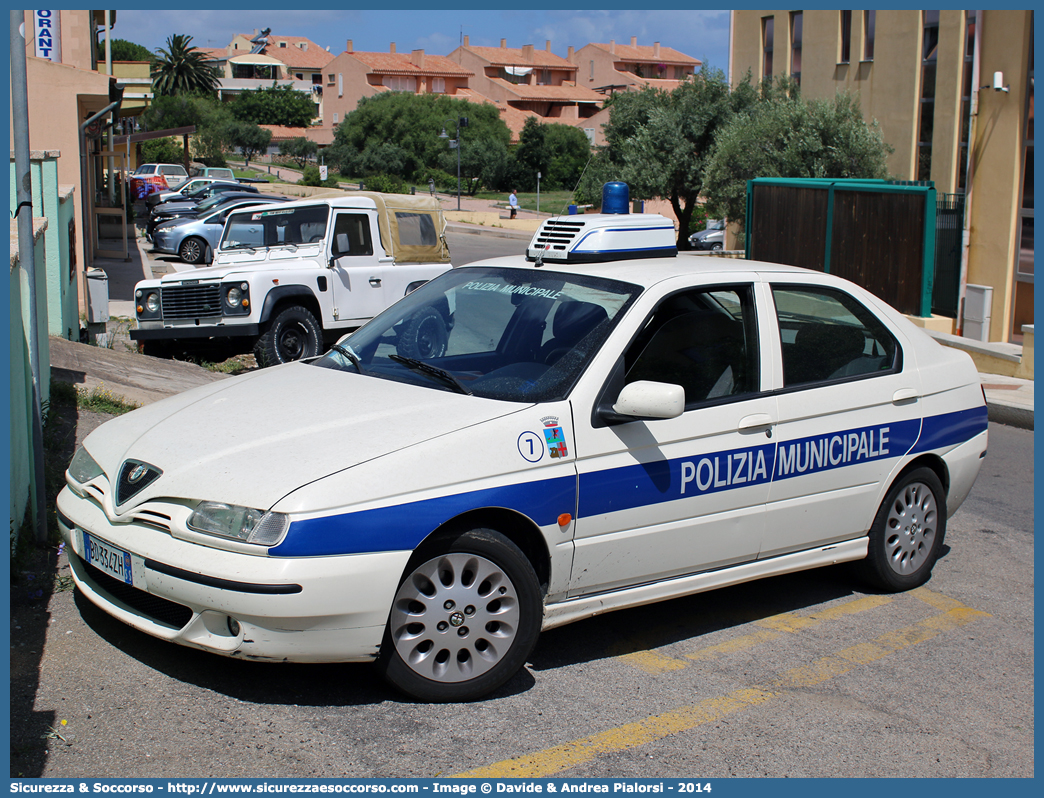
(457, 227)
(1011, 415)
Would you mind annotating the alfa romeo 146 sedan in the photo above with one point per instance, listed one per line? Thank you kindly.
(599, 423)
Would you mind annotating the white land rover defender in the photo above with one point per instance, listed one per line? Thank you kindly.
(285, 278)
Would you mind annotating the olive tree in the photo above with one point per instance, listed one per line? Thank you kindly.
(784, 135)
(658, 142)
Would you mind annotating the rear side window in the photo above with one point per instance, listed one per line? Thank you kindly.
(828, 335)
(416, 229)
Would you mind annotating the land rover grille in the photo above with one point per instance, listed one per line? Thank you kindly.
(190, 301)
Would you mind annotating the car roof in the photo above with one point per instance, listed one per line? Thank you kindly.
(647, 272)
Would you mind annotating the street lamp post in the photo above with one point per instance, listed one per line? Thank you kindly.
(462, 121)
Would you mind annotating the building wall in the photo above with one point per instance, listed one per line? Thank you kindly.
(350, 84)
(137, 83)
(54, 203)
(998, 143)
(60, 97)
(889, 88)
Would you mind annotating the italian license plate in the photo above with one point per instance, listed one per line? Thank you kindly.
(115, 562)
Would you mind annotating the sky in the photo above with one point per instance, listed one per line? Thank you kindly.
(702, 34)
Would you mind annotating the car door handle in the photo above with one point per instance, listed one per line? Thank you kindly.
(375, 281)
(755, 421)
(905, 395)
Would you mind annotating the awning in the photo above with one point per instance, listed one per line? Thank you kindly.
(256, 60)
(519, 72)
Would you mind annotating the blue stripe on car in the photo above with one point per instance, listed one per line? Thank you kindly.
(402, 527)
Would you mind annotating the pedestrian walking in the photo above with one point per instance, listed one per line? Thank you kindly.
(513, 203)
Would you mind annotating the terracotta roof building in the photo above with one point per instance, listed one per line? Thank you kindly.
(619, 67)
(529, 81)
(353, 75)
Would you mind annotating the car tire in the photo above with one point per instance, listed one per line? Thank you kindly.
(292, 334)
(907, 534)
(465, 618)
(715, 246)
(192, 250)
(424, 336)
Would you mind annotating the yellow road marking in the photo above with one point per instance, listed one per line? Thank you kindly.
(732, 646)
(656, 727)
(655, 662)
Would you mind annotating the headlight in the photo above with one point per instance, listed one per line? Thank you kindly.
(147, 302)
(83, 468)
(237, 298)
(239, 523)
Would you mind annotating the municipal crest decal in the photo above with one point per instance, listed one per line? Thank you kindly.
(554, 436)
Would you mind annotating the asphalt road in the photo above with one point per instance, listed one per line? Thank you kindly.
(801, 675)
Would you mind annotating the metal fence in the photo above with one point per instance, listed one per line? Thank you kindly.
(878, 234)
(949, 237)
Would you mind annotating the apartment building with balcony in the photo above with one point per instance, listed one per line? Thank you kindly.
(611, 67)
(525, 82)
(263, 60)
(354, 74)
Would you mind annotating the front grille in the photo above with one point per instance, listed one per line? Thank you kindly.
(127, 487)
(152, 607)
(190, 301)
(557, 234)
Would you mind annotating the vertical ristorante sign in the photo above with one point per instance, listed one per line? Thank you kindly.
(48, 35)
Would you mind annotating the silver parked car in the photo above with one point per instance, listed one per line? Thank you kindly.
(712, 238)
(193, 239)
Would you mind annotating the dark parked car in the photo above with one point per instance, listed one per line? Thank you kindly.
(177, 210)
(191, 189)
(201, 193)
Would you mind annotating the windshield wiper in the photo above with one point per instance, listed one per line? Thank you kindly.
(435, 371)
(349, 353)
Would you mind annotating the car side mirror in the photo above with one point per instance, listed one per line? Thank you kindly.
(646, 399)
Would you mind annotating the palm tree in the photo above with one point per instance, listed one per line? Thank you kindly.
(182, 69)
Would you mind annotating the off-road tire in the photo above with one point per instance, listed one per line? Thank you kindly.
(292, 334)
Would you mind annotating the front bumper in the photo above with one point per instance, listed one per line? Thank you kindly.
(208, 329)
(307, 609)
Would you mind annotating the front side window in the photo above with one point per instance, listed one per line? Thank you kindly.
(518, 335)
(352, 235)
(827, 335)
(272, 227)
(705, 341)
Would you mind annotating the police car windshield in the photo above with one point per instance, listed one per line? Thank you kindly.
(520, 335)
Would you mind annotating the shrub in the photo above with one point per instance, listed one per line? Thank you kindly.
(310, 177)
(162, 151)
(386, 184)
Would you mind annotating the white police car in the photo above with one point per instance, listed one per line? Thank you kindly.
(599, 424)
